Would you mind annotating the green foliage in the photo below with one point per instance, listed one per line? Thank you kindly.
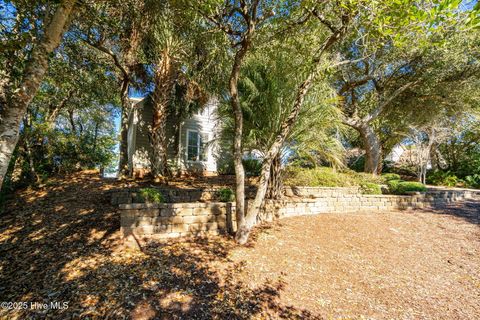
(410, 186)
(225, 166)
(253, 167)
(404, 187)
(267, 88)
(393, 185)
(472, 181)
(226, 195)
(150, 195)
(461, 152)
(357, 163)
(391, 176)
(435, 69)
(442, 178)
(327, 177)
(370, 188)
(70, 124)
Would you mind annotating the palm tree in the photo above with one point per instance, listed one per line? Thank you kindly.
(267, 90)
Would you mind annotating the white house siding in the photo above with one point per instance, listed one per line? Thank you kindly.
(205, 122)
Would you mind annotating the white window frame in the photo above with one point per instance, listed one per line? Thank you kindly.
(199, 146)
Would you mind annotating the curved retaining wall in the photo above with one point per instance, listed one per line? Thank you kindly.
(176, 195)
(172, 220)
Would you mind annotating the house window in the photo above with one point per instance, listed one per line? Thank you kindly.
(194, 146)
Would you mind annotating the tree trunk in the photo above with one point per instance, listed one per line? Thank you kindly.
(176, 143)
(35, 70)
(95, 138)
(25, 138)
(272, 153)
(71, 119)
(373, 149)
(123, 167)
(31, 163)
(164, 83)
(287, 125)
(54, 110)
(242, 227)
(275, 184)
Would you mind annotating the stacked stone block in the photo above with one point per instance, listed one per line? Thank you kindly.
(173, 220)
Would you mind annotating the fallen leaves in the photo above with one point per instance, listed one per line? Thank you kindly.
(62, 243)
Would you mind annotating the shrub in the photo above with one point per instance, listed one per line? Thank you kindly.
(150, 195)
(253, 167)
(393, 185)
(473, 181)
(226, 195)
(327, 177)
(357, 164)
(226, 167)
(361, 177)
(318, 177)
(370, 188)
(443, 178)
(391, 176)
(403, 187)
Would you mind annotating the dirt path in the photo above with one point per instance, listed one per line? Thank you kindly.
(61, 243)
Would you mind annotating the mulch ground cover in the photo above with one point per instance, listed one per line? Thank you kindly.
(61, 243)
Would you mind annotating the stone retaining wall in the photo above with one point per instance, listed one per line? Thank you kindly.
(172, 220)
(172, 195)
(359, 203)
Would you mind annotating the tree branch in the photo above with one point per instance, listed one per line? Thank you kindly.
(323, 20)
(377, 111)
(353, 84)
(109, 52)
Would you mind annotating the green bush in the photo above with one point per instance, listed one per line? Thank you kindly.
(393, 185)
(327, 177)
(150, 195)
(226, 167)
(357, 164)
(370, 188)
(226, 195)
(253, 167)
(472, 181)
(442, 178)
(403, 187)
(318, 177)
(391, 176)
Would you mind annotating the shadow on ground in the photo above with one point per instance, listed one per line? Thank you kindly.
(61, 243)
(468, 209)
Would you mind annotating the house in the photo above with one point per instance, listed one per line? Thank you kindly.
(192, 142)
(407, 154)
